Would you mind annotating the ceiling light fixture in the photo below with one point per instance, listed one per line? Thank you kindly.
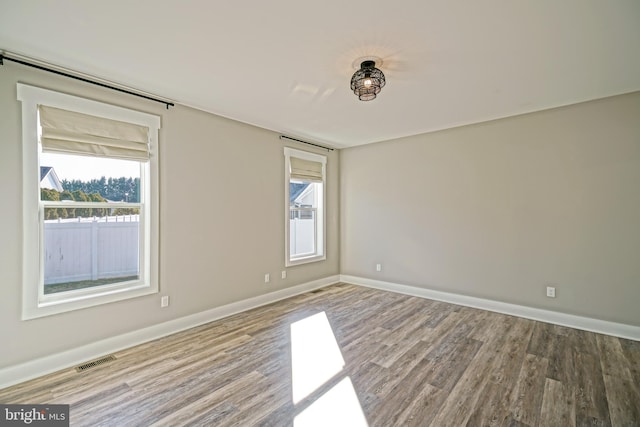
(367, 81)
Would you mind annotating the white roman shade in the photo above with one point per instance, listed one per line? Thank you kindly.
(306, 170)
(69, 132)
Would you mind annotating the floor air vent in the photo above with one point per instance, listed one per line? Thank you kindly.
(94, 363)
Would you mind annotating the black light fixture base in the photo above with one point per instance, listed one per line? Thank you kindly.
(367, 64)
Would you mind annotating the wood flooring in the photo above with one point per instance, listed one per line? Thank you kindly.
(408, 361)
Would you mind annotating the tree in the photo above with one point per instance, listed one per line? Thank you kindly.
(95, 197)
(68, 212)
(53, 195)
(80, 196)
(126, 211)
(96, 190)
(115, 189)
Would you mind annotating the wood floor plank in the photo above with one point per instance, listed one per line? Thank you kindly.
(511, 422)
(496, 326)
(526, 396)
(542, 340)
(442, 312)
(213, 416)
(253, 410)
(612, 358)
(423, 408)
(411, 362)
(397, 401)
(583, 342)
(558, 405)
(462, 399)
(491, 409)
(479, 322)
(396, 373)
(624, 401)
(511, 356)
(446, 369)
(591, 396)
(562, 360)
(198, 408)
(631, 351)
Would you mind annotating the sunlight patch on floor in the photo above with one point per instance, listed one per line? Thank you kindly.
(315, 355)
(337, 407)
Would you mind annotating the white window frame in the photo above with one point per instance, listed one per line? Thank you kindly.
(34, 302)
(321, 229)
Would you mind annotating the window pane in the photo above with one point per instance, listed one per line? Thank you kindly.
(302, 232)
(88, 247)
(303, 218)
(88, 179)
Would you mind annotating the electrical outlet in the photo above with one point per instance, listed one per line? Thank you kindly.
(267, 278)
(164, 301)
(284, 274)
(551, 292)
(378, 267)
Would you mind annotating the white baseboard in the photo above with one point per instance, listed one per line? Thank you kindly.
(578, 322)
(34, 368)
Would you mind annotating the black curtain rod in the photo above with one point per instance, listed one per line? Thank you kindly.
(82, 79)
(305, 142)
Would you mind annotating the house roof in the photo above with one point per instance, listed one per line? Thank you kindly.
(287, 65)
(48, 171)
(295, 189)
(44, 170)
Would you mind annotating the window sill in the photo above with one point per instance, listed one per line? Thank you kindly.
(305, 260)
(78, 302)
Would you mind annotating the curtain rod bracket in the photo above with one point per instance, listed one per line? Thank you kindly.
(82, 79)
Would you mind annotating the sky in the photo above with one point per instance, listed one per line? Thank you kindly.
(85, 168)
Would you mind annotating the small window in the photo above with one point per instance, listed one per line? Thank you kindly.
(305, 214)
(90, 202)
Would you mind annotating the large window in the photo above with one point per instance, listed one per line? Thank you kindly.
(305, 214)
(90, 202)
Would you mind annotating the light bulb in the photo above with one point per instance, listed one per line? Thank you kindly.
(367, 83)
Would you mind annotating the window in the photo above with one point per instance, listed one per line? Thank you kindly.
(89, 202)
(305, 214)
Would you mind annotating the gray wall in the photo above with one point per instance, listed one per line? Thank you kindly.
(221, 222)
(501, 209)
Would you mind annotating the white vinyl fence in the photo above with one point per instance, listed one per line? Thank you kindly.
(302, 233)
(90, 249)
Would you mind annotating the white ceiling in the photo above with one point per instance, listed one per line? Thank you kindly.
(285, 65)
